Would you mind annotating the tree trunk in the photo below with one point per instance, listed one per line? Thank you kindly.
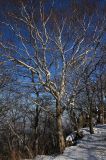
(90, 110)
(35, 140)
(90, 121)
(99, 119)
(60, 137)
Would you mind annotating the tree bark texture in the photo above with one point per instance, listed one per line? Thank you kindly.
(60, 136)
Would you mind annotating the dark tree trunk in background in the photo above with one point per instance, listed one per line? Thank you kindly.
(90, 110)
(99, 119)
(35, 144)
(90, 120)
(35, 140)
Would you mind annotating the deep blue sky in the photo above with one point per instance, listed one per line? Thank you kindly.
(62, 5)
(7, 5)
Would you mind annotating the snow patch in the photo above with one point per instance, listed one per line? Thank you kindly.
(90, 147)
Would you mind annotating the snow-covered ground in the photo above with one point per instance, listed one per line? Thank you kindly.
(91, 147)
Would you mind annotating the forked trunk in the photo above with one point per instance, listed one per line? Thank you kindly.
(61, 141)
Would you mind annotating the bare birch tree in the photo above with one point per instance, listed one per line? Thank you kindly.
(48, 44)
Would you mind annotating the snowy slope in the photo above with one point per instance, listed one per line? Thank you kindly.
(91, 147)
